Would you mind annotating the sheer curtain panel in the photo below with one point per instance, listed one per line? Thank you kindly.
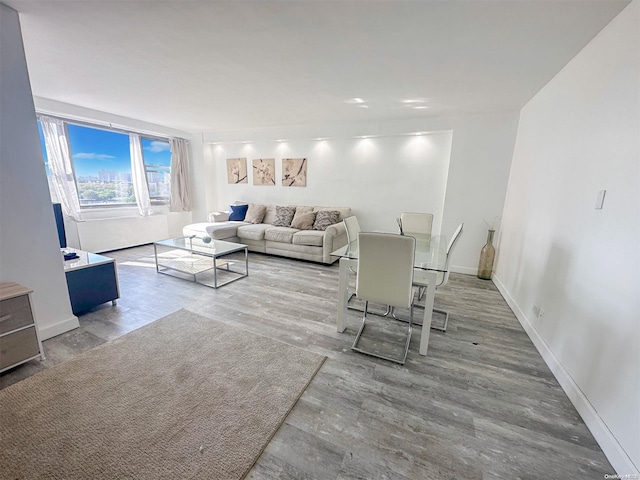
(57, 146)
(180, 187)
(139, 176)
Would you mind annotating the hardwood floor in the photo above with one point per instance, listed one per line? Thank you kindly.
(481, 406)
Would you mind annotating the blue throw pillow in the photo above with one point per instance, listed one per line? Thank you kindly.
(238, 212)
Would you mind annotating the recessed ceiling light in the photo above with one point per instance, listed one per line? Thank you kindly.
(413, 101)
(281, 140)
(420, 107)
(356, 100)
(363, 106)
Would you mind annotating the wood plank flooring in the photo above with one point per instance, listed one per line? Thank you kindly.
(481, 406)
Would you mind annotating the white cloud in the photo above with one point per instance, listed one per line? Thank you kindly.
(93, 156)
(157, 146)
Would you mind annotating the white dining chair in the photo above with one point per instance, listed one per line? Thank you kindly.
(352, 226)
(385, 276)
(420, 277)
(416, 223)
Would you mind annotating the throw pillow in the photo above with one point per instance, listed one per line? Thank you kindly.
(284, 215)
(238, 212)
(303, 221)
(255, 213)
(325, 218)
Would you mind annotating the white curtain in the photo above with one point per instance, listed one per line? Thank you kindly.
(139, 176)
(180, 186)
(55, 141)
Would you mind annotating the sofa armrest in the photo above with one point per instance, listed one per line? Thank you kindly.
(218, 217)
(336, 230)
(335, 236)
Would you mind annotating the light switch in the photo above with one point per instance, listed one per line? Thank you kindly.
(600, 199)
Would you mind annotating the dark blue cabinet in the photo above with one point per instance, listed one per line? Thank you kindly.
(92, 279)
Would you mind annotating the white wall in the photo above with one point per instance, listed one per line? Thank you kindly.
(460, 179)
(477, 182)
(29, 248)
(377, 177)
(578, 135)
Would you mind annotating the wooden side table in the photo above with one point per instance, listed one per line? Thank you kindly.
(19, 339)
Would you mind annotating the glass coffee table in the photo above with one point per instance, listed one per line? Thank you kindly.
(213, 264)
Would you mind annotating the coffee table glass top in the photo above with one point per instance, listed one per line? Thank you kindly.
(215, 248)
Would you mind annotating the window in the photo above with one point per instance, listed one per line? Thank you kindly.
(157, 163)
(102, 166)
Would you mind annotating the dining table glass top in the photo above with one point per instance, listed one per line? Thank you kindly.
(431, 252)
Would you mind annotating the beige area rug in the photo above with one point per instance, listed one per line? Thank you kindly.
(184, 397)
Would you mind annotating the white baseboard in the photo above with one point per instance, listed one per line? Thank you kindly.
(612, 449)
(465, 270)
(58, 328)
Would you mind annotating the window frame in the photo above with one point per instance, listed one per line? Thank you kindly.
(156, 201)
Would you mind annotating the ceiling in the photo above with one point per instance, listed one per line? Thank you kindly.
(205, 66)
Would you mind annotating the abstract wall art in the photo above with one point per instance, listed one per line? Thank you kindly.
(236, 170)
(294, 172)
(264, 171)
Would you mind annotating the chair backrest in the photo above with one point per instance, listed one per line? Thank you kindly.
(452, 243)
(385, 268)
(416, 222)
(353, 228)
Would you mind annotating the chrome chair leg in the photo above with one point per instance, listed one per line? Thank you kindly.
(355, 347)
(443, 328)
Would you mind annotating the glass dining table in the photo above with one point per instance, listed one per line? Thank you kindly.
(430, 256)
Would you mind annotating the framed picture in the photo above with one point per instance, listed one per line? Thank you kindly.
(264, 171)
(236, 170)
(294, 172)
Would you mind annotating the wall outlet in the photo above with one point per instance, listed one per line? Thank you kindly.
(540, 314)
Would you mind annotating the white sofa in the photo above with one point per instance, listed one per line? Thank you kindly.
(313, 245)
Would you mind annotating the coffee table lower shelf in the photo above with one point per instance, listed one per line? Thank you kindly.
(202, 269)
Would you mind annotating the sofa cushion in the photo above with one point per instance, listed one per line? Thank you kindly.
(325, 218)
(255, 213)
(280, 234)
(284, 215)
(301, 209)
(303, 221)
(197, 229)
(253, 231)
(312, 238)
(238, 212)
(220, 231)
(344, 211)
(270, 214)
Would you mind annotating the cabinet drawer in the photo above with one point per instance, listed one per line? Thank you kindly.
(18, 346)
(15, 313)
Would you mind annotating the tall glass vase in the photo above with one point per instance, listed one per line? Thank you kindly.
(487, 255)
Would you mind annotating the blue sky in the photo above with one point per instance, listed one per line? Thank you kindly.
(94, 150)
